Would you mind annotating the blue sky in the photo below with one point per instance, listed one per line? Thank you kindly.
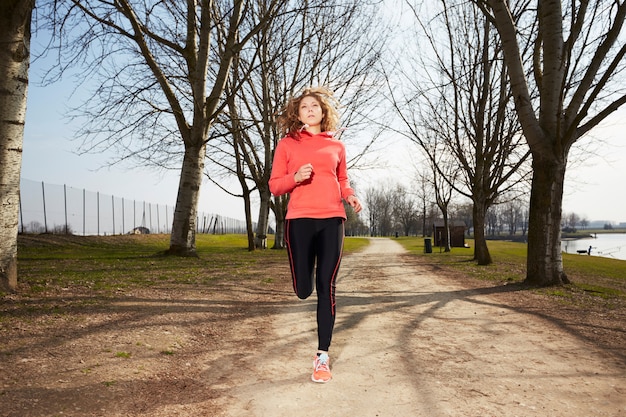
(50, 155)
(595, 186)
(596, 176)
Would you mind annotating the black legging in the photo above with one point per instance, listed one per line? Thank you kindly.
(308, 239)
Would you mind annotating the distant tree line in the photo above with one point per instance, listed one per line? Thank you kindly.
(395, 210)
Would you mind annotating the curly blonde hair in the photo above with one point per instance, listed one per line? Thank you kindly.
(288, 122)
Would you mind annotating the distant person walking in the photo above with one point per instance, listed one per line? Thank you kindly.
(310, 165)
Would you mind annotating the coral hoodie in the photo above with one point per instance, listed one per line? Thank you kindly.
(320, 196)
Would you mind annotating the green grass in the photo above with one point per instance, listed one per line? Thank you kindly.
(592, 275)
(354, 244)
(110, 264)
(115, 263)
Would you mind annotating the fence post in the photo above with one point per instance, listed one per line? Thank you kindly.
(65, 201)
(113, 212)
(21, 213)
(45, 219)
(205, 222)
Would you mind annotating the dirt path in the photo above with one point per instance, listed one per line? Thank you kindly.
(408, 343)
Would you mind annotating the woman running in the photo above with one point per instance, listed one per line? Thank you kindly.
(310, 165)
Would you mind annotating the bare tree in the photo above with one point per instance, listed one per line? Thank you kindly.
(444, 173)
(464, 108)
(577, 70)
(404, 210)
(163, 68)
(15, 33)
(492, 220)
(513, 215)
(423, 192)
(317, 42)
(238, 144)
(570, 221)
(310, 43)
(391, 210)
(464, 213)
(379, 205)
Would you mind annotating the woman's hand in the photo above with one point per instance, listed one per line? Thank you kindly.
(354, 203)
(303, 173)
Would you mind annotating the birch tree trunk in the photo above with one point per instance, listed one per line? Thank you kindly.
(15, 17)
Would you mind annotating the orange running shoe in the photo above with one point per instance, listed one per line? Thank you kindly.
(321, 368)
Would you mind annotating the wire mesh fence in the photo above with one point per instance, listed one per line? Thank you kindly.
(52, 208)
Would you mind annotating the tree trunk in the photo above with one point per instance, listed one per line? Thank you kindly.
(260, 242)
(248, 211)
(237, 141)
(481, 251)
(183, 237)
(279, 213)
(424, 234)
(544, 261)
(446, 230)
(572, 100)
(15, 17)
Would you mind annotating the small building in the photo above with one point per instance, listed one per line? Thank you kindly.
(457, 233)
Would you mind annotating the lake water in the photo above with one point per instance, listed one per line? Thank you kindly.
(609, 245)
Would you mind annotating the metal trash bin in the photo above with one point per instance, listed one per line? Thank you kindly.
(428, 247)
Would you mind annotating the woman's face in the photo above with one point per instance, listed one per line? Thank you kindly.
(310, 111)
